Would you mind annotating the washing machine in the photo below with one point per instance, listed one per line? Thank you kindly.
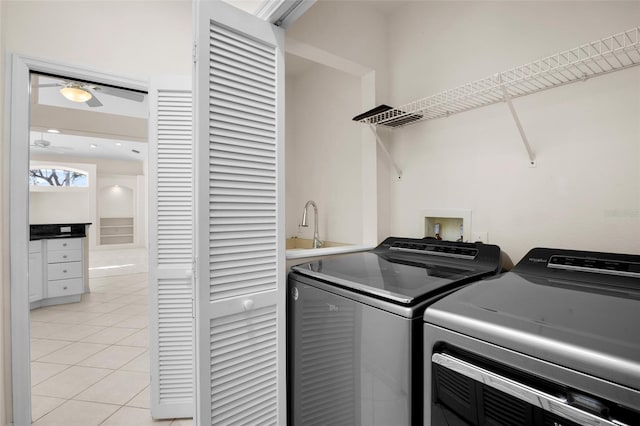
(554, 342)
(354, 328)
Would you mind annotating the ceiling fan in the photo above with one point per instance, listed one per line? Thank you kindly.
(45, 145)
(77, 91)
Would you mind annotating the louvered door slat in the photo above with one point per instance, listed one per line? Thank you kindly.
(235, 150)
(247, 77)
(256, 116)
(226, 106)
(242, 360)
(234, 103)
(242, 44)
(239, 101)
(171, 250)
(238, 85)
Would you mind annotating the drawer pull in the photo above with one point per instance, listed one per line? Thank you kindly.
(64, 271)
(64, 256)
(64, 244)
(65, 287)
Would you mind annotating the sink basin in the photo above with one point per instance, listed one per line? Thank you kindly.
(306, 243)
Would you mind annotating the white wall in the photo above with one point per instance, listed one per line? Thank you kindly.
(356, 31)
(132, 38)
(65, 205)
(584, 192)
(77, 205)
(103, 166)
(115, 200)
(323, 154)
(59, 207)
(127, 201)
(349, 29)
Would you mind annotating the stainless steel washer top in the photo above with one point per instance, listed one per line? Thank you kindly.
(576, 309)
(406, 271)
(354, 328)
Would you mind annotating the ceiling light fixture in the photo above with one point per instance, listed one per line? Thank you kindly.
(118, 144)
(53, 131)
(75, 93)
(93, 145)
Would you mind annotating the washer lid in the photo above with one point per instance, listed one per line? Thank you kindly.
(576, 324)
(402, 278)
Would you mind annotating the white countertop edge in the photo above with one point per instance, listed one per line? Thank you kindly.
(302, 253)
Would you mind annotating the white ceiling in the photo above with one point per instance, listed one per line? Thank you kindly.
(62, 145)
(50, 95)
(110, 131)
(119, 125)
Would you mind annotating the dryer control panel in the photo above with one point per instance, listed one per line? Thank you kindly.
(595, 267)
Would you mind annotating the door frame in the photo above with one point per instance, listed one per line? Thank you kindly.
(17, 116)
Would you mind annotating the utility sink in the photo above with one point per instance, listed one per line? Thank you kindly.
(307, 243)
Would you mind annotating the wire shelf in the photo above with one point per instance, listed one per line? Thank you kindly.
(603, 56)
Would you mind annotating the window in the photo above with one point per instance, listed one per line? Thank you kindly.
(58, 177)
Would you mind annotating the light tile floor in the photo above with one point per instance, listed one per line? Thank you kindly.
(90, 360)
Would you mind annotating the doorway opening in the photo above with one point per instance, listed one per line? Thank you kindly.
(24, 118)
(88, 292)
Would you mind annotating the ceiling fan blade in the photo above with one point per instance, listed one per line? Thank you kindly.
(94, 102)
(60, 148)
(121, 93)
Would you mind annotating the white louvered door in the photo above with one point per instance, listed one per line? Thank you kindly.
(171, 253)
(240, 286)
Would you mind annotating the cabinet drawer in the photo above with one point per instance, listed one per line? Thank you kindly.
(35, 246)
(61, 271)
(64, 256)
(64, 287)
(64, 244)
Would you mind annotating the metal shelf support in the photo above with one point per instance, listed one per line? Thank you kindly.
(514, 114)
(386, 152)
(600, 57)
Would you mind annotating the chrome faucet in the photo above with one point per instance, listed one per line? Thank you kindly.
(316, 238)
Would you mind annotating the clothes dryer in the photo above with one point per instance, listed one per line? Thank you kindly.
(554, 342)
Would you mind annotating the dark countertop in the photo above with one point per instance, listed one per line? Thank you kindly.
(57, 230)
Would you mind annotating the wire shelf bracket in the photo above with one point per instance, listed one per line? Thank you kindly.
(600, 57)
(516, 119)
(386, 152)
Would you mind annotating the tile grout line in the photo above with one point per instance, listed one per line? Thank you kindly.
(140, 292)
(61, 371)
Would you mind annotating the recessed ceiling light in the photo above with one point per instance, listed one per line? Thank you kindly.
(53, 131)
(93, 145)
(118, 144)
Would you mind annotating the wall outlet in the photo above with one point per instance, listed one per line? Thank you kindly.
(480, 236)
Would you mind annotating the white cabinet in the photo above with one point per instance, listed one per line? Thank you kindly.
(63, 271)
(56, 271)
(35, 271)
(61, 288)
